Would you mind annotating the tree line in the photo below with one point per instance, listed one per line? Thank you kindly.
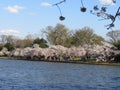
(11, 42)
(60, 35)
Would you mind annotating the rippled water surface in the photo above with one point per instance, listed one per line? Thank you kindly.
(29, 75)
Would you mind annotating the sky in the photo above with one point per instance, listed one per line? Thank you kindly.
(23, 17)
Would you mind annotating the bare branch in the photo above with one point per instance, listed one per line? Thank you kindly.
(56, 4)
(59, 2)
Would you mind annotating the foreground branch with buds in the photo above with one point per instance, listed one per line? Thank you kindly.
(99, 12)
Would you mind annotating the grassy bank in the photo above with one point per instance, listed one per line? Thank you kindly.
(71, 61)
(90, 63)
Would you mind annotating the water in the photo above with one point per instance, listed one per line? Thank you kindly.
(29, 75)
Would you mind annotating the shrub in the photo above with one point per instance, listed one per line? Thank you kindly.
(1, 47)
(9, 46)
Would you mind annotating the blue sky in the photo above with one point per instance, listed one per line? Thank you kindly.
(22, 17)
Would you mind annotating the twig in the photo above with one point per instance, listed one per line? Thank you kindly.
(82, 3)
(59, 2)
(59, 10)
(112, 24)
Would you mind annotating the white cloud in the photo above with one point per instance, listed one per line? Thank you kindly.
(14, 9)
(10, 32)
(107, 2)
(45, 4)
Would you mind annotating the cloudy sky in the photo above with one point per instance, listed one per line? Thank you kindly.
(22, 17)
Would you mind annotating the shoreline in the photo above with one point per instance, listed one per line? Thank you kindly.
(74, 62)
